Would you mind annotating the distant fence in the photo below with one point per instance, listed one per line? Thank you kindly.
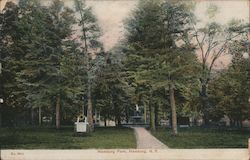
(129, 154)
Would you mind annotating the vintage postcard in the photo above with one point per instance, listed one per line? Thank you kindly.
(124, 80)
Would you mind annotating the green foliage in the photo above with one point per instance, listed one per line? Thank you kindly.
(90, 31)
(91, 46)
(41, 59)
(230, 92)
(112, 93)
(155, 58)
(213, 41)
(9, 85)
(48, 63)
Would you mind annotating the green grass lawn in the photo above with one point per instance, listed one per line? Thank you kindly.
(204, 138)
(49, 138)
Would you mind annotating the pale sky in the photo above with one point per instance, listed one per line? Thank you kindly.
(228, 9)
(112, 13)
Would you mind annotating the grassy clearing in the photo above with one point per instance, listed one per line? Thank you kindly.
(204, 138)
(49, 138)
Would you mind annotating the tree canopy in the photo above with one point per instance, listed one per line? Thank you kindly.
(54, 65)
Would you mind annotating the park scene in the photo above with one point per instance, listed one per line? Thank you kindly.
(164, 74)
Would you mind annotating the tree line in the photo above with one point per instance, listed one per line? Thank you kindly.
(55, 65)
(44, 64)
(171, 53)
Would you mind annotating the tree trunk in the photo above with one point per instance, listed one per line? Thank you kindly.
(58, 101)
(105, 122)
(89, 108)
(195, 122)
(234, 123)
(32, 116)
(239, 123)
(0, 115)
(95, 117)
(40, 116)
(145, 113)
(127, 115)
(99, 117)
(89, 111)
(231, 122)
(0, 120)
(83, 109)
(173, 108)
(203, 95)
(152, 117)
(156, 115)
(119, 122)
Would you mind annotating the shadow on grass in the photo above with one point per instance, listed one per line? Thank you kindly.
(204, 138)
(51, 138)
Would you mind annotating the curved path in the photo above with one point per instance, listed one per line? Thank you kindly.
(145, 140)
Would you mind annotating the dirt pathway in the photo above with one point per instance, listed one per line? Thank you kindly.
(145, 140)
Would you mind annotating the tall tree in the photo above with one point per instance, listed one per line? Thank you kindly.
(44, 32)
(229, 91)
(62, 20)
(90, 32)
(9, 58)
(153, 34)
(112, 92)
(212, 42)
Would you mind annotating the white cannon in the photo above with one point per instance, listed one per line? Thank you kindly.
(81, 124)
